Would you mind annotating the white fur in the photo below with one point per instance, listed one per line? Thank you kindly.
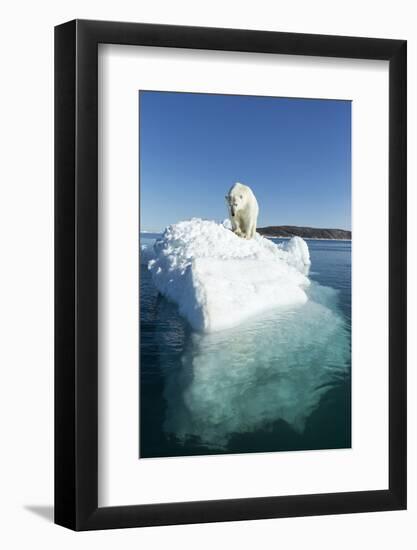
(243, 210)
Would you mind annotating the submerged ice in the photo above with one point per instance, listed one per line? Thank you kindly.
(219, 280)
(274, 368)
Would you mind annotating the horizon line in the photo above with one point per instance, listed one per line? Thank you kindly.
(261, 227)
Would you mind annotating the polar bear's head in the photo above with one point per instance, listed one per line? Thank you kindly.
(237, 198)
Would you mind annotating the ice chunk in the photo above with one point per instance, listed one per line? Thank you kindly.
(227, 224)
(219, 280)
(298, 254)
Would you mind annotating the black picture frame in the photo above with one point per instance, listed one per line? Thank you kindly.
(76, 272)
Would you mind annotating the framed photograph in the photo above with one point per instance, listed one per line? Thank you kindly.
(230, 252)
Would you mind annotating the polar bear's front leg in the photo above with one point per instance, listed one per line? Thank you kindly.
(236, 227)
(252, 230)
(249, 230)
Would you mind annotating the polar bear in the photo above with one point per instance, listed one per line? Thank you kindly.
(243, 210)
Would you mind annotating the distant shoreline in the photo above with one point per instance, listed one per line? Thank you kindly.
(266, 237)
(288, 231)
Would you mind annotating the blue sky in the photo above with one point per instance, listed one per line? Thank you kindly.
(295, 154)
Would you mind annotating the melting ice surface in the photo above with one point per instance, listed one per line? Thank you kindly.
(219, 280)
(277, 379)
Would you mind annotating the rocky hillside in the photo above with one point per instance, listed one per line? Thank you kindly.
(304, 232)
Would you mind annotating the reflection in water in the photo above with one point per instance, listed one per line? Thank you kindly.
(276, 367)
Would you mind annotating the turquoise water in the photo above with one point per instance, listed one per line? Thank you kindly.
(280, 382)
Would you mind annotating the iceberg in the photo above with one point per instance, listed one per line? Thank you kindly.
(219, 280)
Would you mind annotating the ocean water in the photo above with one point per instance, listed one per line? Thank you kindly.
(279, 382)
